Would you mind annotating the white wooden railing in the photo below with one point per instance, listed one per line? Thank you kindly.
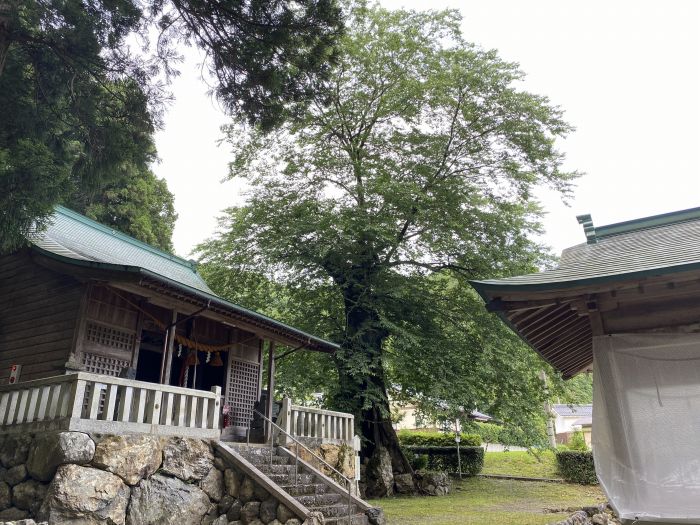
(307, 422)
(109, 405)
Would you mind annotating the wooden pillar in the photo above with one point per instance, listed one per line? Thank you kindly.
(168, 345)
(270, 388)
(137, 338)
(75, 357)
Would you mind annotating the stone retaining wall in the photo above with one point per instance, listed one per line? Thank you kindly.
(72, 477)
(340, 457)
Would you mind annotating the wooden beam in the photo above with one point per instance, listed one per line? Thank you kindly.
(541, 325)
(137, 338)
(270, 388)
(542, 318)
(596, 323)
(188, 308)
(168, 344)
(498, 305)
(75, 355)
(542, 336)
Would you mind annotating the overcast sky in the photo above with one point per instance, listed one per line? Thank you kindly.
(627, 74)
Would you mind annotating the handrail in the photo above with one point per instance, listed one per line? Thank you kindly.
(314, 422)
(321, 411)
(296, 456)
(97, 403)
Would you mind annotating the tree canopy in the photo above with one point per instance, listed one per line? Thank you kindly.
(416, 176)
(81, 84)
(138, 204)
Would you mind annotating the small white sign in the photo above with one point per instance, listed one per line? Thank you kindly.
(15, 370)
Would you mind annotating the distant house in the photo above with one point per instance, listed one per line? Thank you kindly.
(570, 418)
(410, 419)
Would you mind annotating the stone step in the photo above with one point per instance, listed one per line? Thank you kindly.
(289, 479)
(320, 500)
(306, 489)
(264, 459)
(355, 519)
(334, 511)
(277, 469)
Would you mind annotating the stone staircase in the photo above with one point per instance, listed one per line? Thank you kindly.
(311, 490)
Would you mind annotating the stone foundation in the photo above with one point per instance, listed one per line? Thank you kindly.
(73, 477)
(598, 515)
(340, 457)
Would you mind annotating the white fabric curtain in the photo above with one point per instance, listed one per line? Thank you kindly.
(646, 425)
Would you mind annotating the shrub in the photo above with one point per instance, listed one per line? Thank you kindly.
(577, 442)
(446, 459)
(417, 461)
(420, 462)
(509, 435)
(577, 466)
(418, 438)
(488, 432)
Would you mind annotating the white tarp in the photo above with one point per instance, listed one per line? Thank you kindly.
(646, 425)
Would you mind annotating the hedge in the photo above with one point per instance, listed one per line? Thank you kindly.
(417, 438)
(445, 458)
(576, 466)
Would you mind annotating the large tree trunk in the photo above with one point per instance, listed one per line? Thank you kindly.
(363, 392)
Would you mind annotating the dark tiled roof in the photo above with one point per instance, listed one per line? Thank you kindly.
(538, 306)
(573, 410)
(669, 241)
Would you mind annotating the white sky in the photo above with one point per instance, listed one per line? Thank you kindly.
(627, 73)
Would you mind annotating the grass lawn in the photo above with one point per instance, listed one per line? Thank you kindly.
(483, 501)
(521, 464)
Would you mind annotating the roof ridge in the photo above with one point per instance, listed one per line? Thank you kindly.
(123, 236)
(644, 223)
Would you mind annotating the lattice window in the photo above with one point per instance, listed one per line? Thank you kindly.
(242, 391)
(108, 336)
(100, 364)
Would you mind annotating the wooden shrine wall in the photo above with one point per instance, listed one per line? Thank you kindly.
(109, 331)
(38, 316)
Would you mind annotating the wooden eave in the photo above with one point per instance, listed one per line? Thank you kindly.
(560, 323)
(164, 292)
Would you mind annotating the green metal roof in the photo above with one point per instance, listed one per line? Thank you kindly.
(73, 238)
(664, 243)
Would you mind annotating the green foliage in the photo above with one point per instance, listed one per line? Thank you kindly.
(370, 214)
(577, 466)
(436, 439)
(268, 57)
(79, 105)
(522, 464)
(418, 461)
(486, 501)
(577, 442)
(69, 119)
(446, 458)
(139, 205)
(488, 432)
(576, 391)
